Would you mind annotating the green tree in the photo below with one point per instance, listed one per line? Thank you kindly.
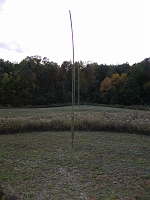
(64, 82)
(83, 85)
(137, 72)
(5, 89)
(27, 87)
(146, 89)
(89, 74)
(130, 92)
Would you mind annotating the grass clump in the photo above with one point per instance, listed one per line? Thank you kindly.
(3, 196)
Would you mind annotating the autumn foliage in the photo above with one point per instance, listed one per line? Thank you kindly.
(36, 81)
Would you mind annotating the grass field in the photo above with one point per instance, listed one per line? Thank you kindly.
(103, 165)
(87, 118)
(67, 109)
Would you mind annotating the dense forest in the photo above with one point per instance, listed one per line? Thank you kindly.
(38, 81)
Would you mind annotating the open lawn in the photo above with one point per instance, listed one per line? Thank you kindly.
(102, 165)
(9, 112)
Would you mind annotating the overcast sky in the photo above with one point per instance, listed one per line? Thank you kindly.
(105, 31)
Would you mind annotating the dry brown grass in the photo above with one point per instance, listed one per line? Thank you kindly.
(85, 120)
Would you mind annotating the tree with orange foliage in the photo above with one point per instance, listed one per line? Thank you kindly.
(105, 90)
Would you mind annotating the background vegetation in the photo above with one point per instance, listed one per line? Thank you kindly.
(38, 81)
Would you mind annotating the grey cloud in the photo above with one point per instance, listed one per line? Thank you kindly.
(11, 46)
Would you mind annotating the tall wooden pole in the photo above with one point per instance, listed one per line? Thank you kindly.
(73, 85)
(78, 84)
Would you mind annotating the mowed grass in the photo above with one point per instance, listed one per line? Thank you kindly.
(13, 112)
(102, 165)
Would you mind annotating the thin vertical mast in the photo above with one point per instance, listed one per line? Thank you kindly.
(78, 84)
(73, 86)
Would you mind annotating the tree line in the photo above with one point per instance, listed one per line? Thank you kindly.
(39, 81)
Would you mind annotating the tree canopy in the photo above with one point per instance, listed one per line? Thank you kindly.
(39, 81)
